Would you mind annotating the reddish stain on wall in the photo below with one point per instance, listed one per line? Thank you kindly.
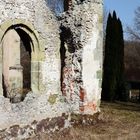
(67, 86)
(90, 106)
(63, 88)
(82, 94)
(82, 98)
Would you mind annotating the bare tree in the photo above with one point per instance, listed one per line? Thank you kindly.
(105, 16)
(134, 32)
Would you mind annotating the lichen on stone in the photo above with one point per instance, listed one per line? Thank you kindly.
(52, 99)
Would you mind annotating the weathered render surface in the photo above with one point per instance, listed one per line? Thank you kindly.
(66, 62)
(82, 33)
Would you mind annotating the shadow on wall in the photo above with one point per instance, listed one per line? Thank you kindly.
(66, 37)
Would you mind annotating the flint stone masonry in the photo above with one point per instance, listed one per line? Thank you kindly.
(66, 59)
(84, 54)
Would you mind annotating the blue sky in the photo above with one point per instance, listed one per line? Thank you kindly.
(124, 9)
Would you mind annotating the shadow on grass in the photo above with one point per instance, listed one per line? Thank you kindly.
(121, 105)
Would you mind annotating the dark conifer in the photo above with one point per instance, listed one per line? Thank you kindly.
(113, 82)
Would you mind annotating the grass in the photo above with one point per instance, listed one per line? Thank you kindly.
(117, 121)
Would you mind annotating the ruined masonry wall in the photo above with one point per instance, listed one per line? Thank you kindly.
(36, 13)
(83, 66)
(47, 102)
(81, 29)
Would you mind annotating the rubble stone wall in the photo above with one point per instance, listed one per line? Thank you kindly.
(66, 62)
(36, 19)
(82, 30)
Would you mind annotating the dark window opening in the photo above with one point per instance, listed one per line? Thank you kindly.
(16, 58)
(66, 37)
(4, 87)
(66, 4)
(62, 56)
(25, 59)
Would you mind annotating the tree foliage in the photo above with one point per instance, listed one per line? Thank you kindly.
(113, 68)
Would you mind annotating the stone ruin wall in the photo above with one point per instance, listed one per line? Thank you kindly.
(69, 61)
(82, 72)
(42, 22)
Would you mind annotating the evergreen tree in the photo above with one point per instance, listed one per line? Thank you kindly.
(113, 67)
